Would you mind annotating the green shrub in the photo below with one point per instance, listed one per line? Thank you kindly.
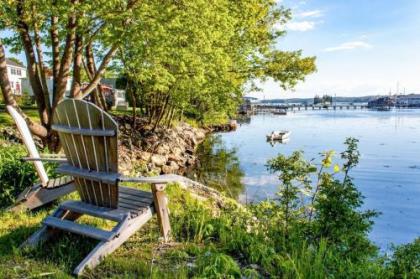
(15, 175)
(213, 264)
(405, 262)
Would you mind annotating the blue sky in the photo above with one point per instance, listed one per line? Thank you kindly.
(362, 47)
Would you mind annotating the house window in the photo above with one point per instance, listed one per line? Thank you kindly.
(16, 72)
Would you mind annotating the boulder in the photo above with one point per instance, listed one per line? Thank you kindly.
(158, 160)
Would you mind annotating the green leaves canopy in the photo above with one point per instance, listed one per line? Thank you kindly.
(200, 56)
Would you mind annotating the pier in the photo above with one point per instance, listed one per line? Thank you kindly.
(272, 108)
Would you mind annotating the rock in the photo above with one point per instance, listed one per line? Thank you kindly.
(158, 160)
(171, 168)
(200, 135)
(190, 161)
(145, 156)
(162, 149)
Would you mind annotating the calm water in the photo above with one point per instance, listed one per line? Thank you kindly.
(388, 174)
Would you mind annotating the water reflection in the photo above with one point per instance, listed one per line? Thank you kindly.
(219, 167)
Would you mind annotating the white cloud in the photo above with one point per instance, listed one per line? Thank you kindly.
(301, 25)
(349, 46)
(313, 14)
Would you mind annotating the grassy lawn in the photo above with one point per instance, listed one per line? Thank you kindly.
(6, 120)
(142, 256)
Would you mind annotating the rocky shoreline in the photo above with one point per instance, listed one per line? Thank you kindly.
(143, 150)
(162, 151)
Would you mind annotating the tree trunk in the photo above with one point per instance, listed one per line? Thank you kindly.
(6, 90)
(101, 70)
(32, 65)
(55, 50)
(41, 70)
(66, 58)
(77, 67)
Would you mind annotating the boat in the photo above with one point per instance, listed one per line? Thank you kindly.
(280, 112)
(383, 108)
(278, 135)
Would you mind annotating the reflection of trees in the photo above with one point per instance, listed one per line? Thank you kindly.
(243, 119)
(218, 167)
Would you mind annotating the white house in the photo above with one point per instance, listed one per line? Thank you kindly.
(16, 73)
(27, 87)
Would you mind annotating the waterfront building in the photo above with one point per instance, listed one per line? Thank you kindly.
(411, 100)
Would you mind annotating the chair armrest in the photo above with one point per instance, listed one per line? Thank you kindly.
(162, 179)
(52, 159)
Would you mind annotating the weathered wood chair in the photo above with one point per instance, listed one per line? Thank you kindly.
(47, 190)
(89, 139)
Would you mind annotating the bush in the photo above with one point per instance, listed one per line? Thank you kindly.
(405, 262)
(15, 175)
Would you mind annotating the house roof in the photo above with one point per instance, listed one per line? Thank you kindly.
(13, 63)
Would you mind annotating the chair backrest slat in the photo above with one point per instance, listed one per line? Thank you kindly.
(29, 143)
(79, 124)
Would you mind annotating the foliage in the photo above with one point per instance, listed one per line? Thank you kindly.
(405, 262)
(178, 61)
(15, 174)
(322, 100)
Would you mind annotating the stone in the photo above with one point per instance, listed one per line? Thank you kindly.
(162, 149)
(145, 156)
(158, 160)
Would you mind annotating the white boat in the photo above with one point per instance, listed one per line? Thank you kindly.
(280, 112)
(278, 135)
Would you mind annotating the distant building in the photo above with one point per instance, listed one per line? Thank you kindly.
(382, 102)
(26, 85)
(16, 73)
(411, 100)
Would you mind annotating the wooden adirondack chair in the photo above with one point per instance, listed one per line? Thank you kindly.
(47, 190)
(89, 138)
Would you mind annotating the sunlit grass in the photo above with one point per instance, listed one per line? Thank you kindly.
(6, 120)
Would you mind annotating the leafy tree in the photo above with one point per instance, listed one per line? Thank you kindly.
(66, 32)
(193, 58)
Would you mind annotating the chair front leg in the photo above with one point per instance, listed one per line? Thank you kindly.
(161, 207)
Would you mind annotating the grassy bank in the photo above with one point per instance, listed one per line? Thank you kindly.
(207, 243)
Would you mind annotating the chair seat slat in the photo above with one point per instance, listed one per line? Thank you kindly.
(104, 177)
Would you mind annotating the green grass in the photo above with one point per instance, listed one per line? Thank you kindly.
(6, 120)
(142, 256)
